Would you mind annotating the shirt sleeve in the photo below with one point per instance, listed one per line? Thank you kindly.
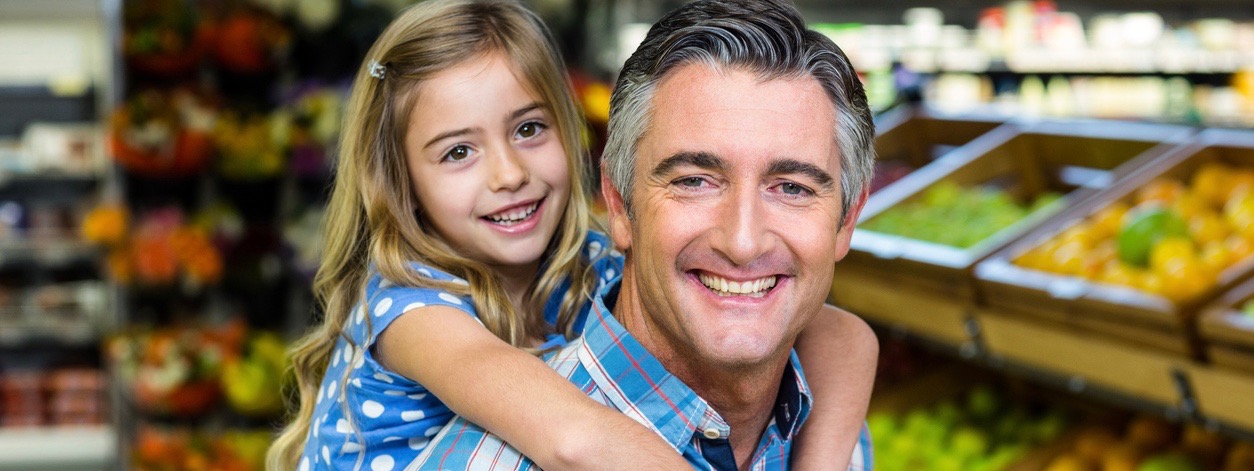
(464, 445)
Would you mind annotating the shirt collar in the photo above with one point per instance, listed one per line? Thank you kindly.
(639, 386)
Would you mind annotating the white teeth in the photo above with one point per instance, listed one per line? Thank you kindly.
(723, 287)
(514, 216)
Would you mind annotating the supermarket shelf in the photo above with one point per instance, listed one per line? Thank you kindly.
(900, 306)
(46, 252)
(1135, 371)
(1224, 395)
(23, 337)
(59, 448)
(1084, 61)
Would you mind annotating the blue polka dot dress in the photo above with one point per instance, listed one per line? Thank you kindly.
(367, 417)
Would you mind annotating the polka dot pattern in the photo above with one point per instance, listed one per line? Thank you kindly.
(418, 443)
(382, 463)
(383, 306)
(449, 298)
(348, 430)
(372, 409)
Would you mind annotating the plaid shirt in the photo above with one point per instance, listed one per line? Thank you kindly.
(611, 367)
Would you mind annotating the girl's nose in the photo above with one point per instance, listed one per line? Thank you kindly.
(508, 172)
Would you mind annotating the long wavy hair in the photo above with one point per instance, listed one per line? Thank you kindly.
(373, 217)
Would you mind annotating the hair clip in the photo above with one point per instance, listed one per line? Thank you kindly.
(377, 70)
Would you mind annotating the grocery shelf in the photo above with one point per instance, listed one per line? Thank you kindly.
(1083, 61)
(920, 312)
(1223, 394)
(47, 251)
(1132, 370)
(59, 448)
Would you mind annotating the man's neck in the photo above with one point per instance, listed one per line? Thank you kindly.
(742, 396)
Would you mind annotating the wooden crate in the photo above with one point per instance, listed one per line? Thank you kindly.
(1027, 159)
(916, 135)
(1226, 333)
(1121, 312)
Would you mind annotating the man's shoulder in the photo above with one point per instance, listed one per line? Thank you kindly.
(465, 445)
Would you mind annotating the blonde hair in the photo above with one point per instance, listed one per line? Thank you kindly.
(374, 218)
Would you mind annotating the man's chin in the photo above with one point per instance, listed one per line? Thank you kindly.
(738, 349)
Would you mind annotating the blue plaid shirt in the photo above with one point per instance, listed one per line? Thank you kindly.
(611, 367)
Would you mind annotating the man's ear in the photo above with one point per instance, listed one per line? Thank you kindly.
(845, 233)
(616, 212)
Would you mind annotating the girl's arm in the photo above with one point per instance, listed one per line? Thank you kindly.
(517, 396)
(838, 353)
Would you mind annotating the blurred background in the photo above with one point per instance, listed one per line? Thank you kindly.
(1055, 256)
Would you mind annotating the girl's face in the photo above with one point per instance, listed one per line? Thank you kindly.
(487, 163)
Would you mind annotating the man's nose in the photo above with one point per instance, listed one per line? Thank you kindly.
(508, 172)
(744, 235)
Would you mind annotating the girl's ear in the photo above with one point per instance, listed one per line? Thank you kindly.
(616, 212)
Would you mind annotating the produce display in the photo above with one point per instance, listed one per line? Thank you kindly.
(1171, 238)
(979, 431)
(162, 134)
(946, 213)
(170, 449)
(1151, 444)
(162, 249)
(185, 371)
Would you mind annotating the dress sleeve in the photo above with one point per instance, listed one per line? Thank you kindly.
(385, 302)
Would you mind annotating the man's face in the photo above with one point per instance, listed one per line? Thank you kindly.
(736, 214)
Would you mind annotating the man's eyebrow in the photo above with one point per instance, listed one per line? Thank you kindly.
(703, 160)
(792, 166)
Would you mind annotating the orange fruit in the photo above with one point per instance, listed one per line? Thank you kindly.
(1116, 273)
(1106, 223)
(1068, 258)
(1215, 257)
(1208, 227)
(1184, 279)
(1238, 248)
(1161, 190)
(1081, 233)
(1151, 282)
(1239, 181)
(1211, 182)
(1169, 251)
(1189, 206)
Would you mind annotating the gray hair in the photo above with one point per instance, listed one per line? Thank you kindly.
(764, 37)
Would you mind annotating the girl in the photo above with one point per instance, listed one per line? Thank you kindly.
(458, 240)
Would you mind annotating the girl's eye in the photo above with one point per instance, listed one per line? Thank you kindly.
(529, 130)
(457, 153)
(793, 189)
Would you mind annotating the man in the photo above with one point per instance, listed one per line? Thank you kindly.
(738, 160)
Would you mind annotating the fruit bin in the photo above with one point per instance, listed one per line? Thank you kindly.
(1146, 308)
(1226, 328)
(910, 137)
(897, 277)
(957, 417)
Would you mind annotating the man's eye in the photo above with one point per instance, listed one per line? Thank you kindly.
(457, 153)
(530, 129)
(692, 182)
(793, 189)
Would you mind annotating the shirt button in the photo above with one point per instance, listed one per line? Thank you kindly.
(711, 433)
